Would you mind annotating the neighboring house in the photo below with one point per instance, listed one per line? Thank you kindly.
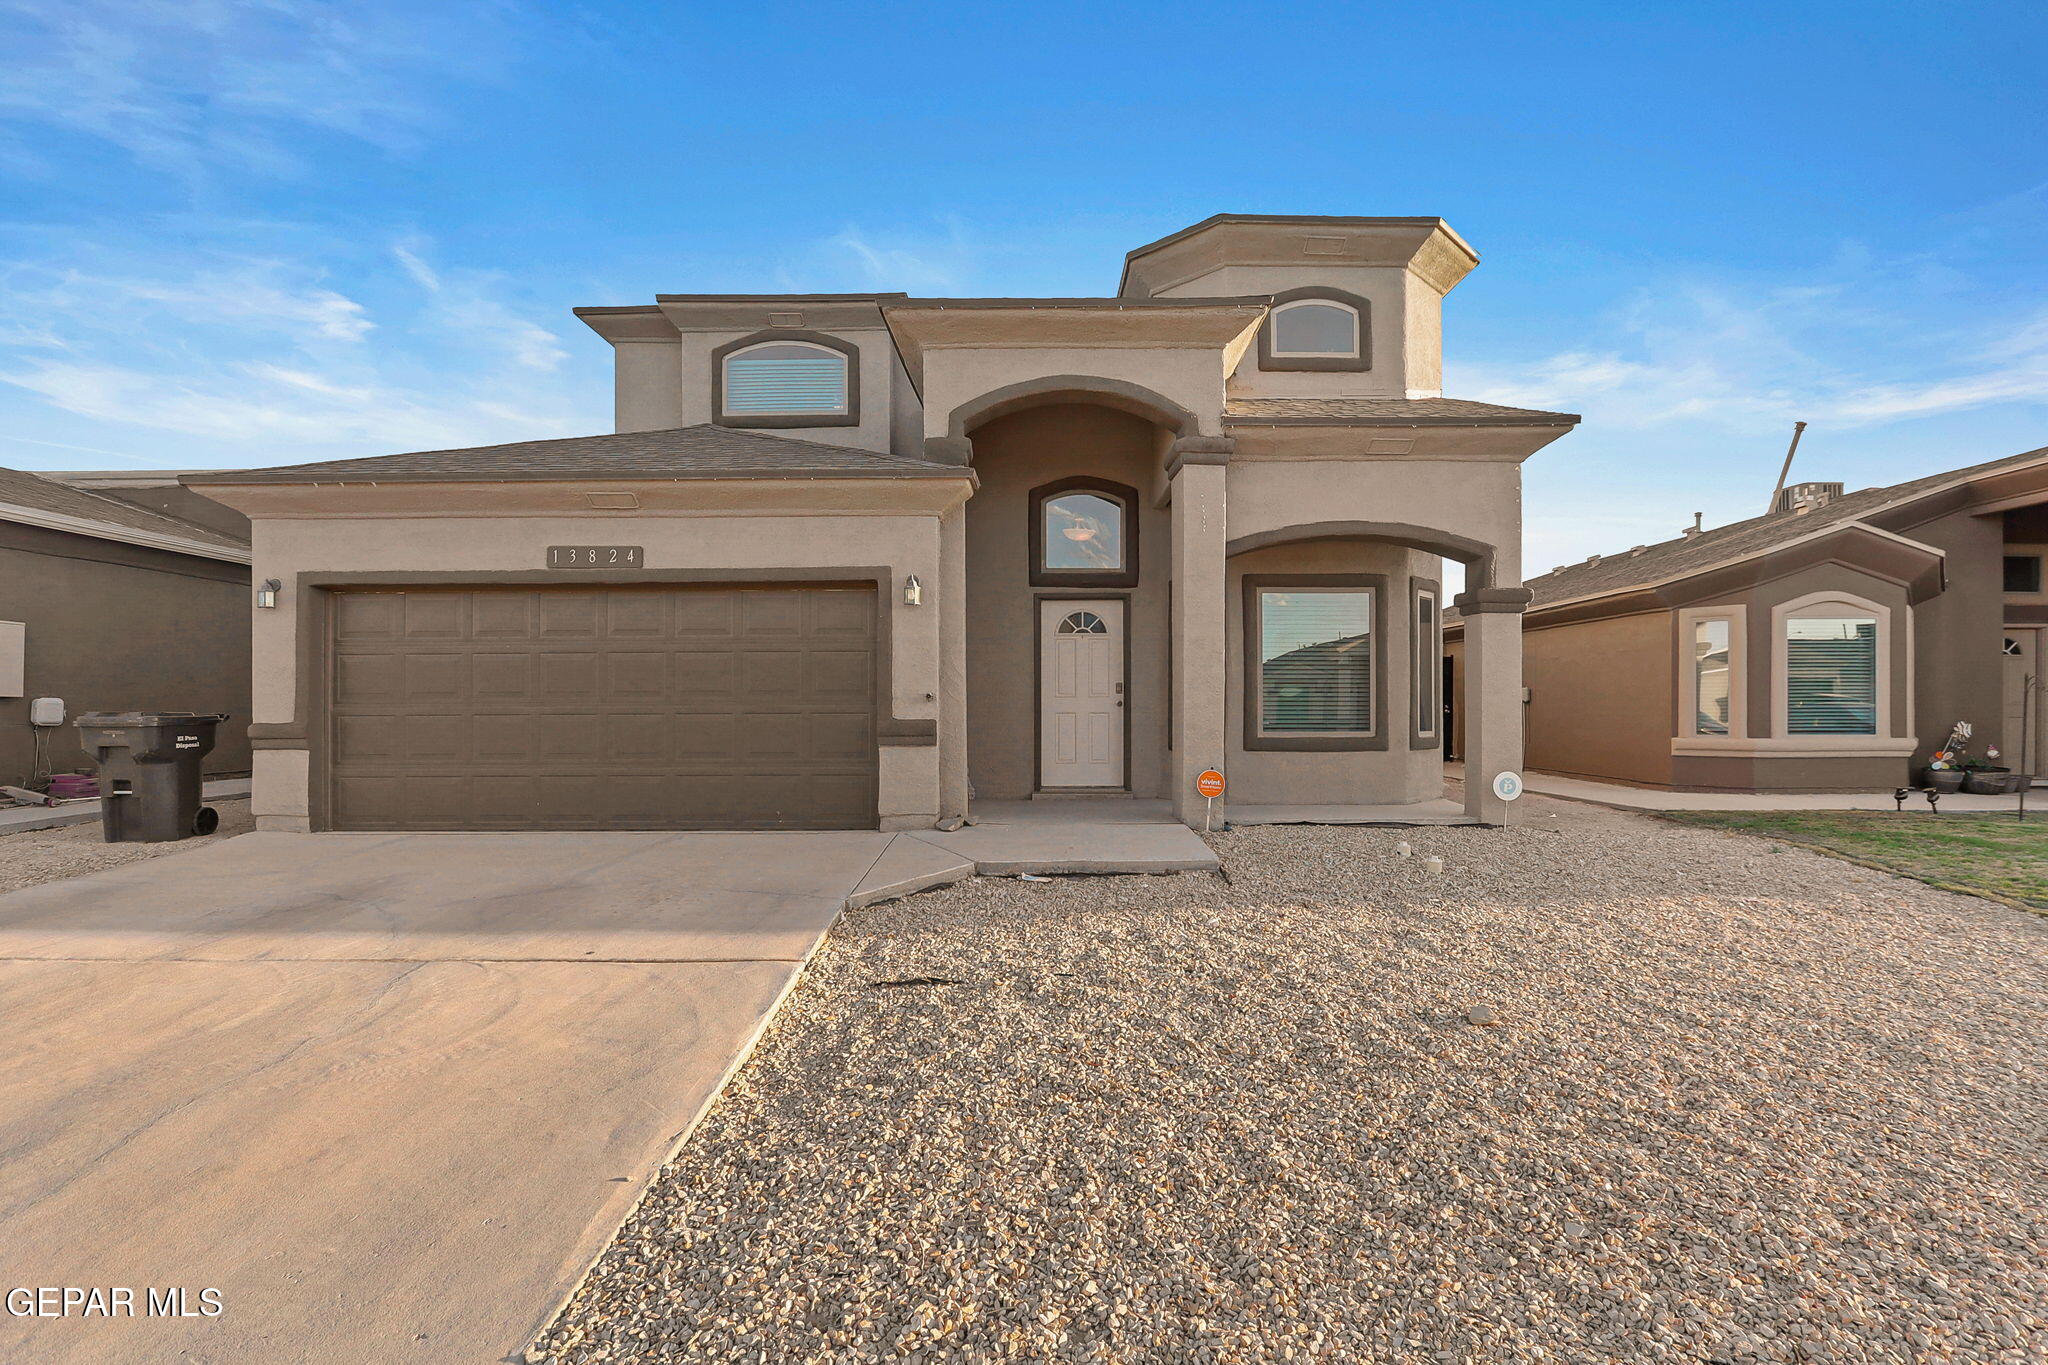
(118, 592)
(852, 560)
(1828, 646)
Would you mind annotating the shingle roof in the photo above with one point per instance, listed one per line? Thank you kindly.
(697, 452)
(20, 488)
(1390, 412)
(1744, 539)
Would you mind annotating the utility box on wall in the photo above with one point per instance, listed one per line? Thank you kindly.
(13, 658)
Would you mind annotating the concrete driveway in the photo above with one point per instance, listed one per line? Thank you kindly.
(387, 1095)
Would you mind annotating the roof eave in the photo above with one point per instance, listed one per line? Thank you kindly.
(127, 535)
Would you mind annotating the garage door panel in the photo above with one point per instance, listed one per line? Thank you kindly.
(368, 616)
(841, 739)
(707, 742)
(642, 741)
(369, 679)
(841, 615)
(635, 679)
(509, 802)
(569, 738)
(836, 675)
(501, 677)
(766, 614)
(568, 678)
(502, 616)
(606, 708)
(436, 615)
(368, 737)
(504, 737)
(709, 616)
(569, 615)
(435, 739)
(770, 673)
(704, 676)
(433, 678)
(637, 616)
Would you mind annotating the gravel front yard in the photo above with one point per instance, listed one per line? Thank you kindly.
(1740, 1103)
(51, 855)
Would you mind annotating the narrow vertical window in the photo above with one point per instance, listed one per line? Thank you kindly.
(1428, 647)
(1713, 677)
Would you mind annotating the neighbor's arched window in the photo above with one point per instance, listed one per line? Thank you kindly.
(787, 381)
(1316, 329)
(1084, 533)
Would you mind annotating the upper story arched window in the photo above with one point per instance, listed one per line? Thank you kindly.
(785, 378)
(1317, 329)
(1084, 533)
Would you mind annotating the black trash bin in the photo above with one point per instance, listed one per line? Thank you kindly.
(149, 773)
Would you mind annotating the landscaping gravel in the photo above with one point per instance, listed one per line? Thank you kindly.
(1609, 1090)
(51, 855)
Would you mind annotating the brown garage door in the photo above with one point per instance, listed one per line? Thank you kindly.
(640, 707)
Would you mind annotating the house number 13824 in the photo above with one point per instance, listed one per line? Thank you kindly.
(596, 557)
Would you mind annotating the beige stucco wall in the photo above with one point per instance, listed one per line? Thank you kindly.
(452, 542)
(878, 372)
(1407, 330)
(647, 386)
(1014, 455)
(1191, 377)
(1477, 499)
(1396, 774)
(1601, 697)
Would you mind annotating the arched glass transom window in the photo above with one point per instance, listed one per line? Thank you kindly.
(784, 379)
(1084, 533)
(1083, 623)
(1315, 327)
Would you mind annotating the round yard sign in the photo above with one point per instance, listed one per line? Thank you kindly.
(1209, 783)
(1507, 786)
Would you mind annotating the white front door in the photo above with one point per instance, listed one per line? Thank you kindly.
(1080, 693)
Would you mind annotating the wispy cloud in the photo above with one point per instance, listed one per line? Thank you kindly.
(194, 85)
(858, 258)
(1869, 341)
(239, 360)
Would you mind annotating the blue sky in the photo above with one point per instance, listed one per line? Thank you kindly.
(253, 233)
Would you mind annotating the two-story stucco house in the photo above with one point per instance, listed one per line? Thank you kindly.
(855, 561)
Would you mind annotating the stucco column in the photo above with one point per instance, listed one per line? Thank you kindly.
(953, 663)
(1198, 635)
(1493, 696)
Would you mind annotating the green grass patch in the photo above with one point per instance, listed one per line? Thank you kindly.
(1983, 855)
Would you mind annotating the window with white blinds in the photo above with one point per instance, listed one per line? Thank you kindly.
(1831, 675)
(784, 379)
(1315, 661)
(1713, 677)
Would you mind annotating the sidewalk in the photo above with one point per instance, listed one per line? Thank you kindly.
(1644, 798)
(17, 819)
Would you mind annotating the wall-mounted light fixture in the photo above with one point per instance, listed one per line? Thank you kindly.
(266, 596)
(913, 592)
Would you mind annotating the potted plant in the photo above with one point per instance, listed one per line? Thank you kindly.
(1945, 769)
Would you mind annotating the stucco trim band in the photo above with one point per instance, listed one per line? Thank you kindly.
(1476, 555)
(1120, 394)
